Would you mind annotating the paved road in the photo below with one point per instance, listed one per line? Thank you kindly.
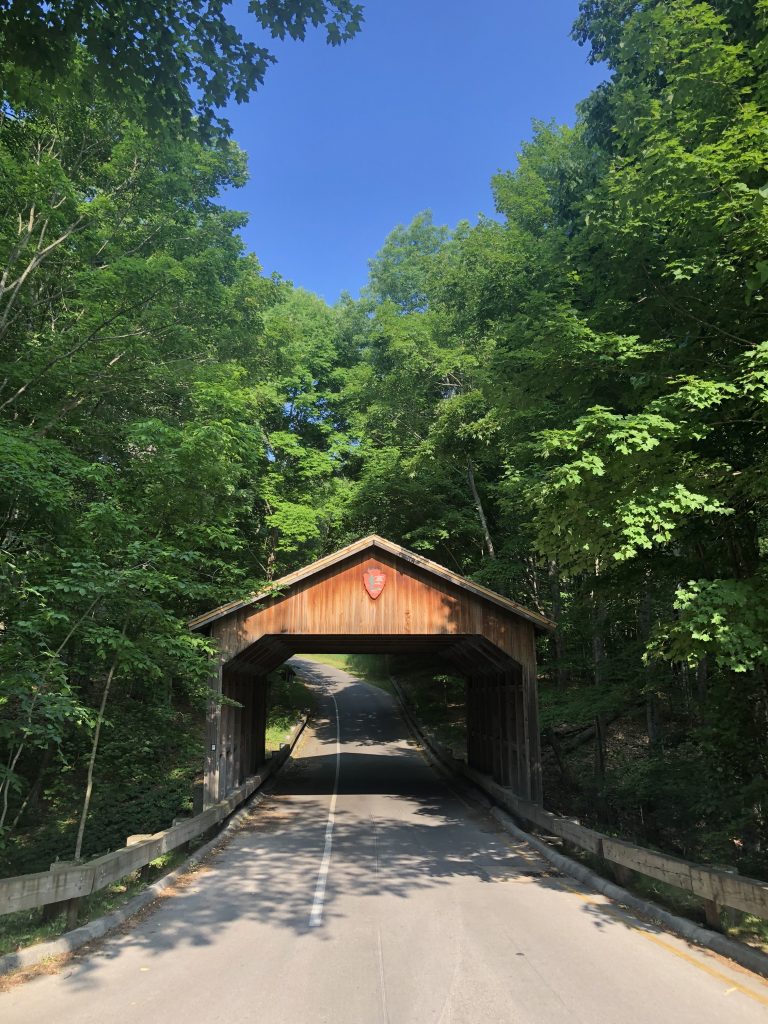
(426, 913)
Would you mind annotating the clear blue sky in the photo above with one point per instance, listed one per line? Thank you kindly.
(417, 112)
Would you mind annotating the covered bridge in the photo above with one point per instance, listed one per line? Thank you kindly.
(376, 597)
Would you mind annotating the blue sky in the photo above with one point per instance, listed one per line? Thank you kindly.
(417, 112)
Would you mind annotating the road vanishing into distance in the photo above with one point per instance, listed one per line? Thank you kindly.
(367, 889)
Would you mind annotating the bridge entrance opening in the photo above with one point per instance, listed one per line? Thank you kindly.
(375, 597)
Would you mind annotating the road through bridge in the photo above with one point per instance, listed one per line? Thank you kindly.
(367, 889)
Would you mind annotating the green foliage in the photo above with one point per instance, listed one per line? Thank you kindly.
(597, 358)
(725, 620)
(567, 402)
(165, 444)
(168, 62)
(399, 272)
(289, 700)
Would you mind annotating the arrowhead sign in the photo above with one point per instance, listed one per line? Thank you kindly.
(374, 579)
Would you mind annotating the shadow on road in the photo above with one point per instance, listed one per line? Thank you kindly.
(414, 833)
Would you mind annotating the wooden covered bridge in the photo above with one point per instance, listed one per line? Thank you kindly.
(376, 597)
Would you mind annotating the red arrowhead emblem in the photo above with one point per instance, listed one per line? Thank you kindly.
(374, 580)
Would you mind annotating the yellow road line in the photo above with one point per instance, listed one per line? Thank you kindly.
(711, 971)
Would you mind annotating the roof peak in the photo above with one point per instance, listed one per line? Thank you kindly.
(374, 540)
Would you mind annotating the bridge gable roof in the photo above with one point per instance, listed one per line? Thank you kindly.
(373, 544)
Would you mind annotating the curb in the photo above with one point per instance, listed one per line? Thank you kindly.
(96, 929)
(753, 959)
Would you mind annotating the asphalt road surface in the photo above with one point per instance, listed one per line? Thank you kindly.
(366, 889)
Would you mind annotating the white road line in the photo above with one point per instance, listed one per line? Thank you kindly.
(316, 914)
(382, 982)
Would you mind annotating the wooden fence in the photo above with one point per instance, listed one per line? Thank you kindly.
(68, 882)
(718, 888)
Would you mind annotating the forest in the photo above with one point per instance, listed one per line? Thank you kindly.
(566, 401)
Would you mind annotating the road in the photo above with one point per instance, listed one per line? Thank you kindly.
(366, 889)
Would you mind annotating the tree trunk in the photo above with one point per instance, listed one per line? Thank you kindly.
(551, 737)
(94, 749)
(561, 671)
(701, 681)
(33, 796)
(479, 506)
(652, 723)
(599, 615)
(652, 720)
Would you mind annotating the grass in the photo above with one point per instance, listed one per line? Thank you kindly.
(288, 702)
(436, 700)
(370, 668)
(28, 927)
(752, 930)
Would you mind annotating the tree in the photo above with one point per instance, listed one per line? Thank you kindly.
(168, 62)
(400, 269)
(141, 379)
(602, 351)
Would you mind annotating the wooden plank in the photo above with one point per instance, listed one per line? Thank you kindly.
(241, 773)
(65, 882)
(729, 890)
(413, 604)
(578, 835)
(514, 777)
(486, 759)
(226, 730)
(260, 730)
(116, 865)
(564, 828)
(672, 870)
(376, 549)
(503, 701)
(531, 696)
(496, 712)
(248, 766)
(722, 888)
(213, 737)
(521, 772)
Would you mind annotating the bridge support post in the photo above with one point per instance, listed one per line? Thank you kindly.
(503, 695)
(213, 737)
(470, 692)
(487, 713)
(225, 754)
(235, 737)
(533, 733)
(246, 742)
(503, 729)
(259, 728)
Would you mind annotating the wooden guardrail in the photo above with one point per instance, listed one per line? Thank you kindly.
(717, 887)
(68, 882)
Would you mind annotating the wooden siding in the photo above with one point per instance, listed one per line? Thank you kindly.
(374, 546)
(412, 604)
(422, 608)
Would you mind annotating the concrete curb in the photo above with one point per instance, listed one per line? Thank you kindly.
(752, 959)
(30, 956)
(745, 956)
